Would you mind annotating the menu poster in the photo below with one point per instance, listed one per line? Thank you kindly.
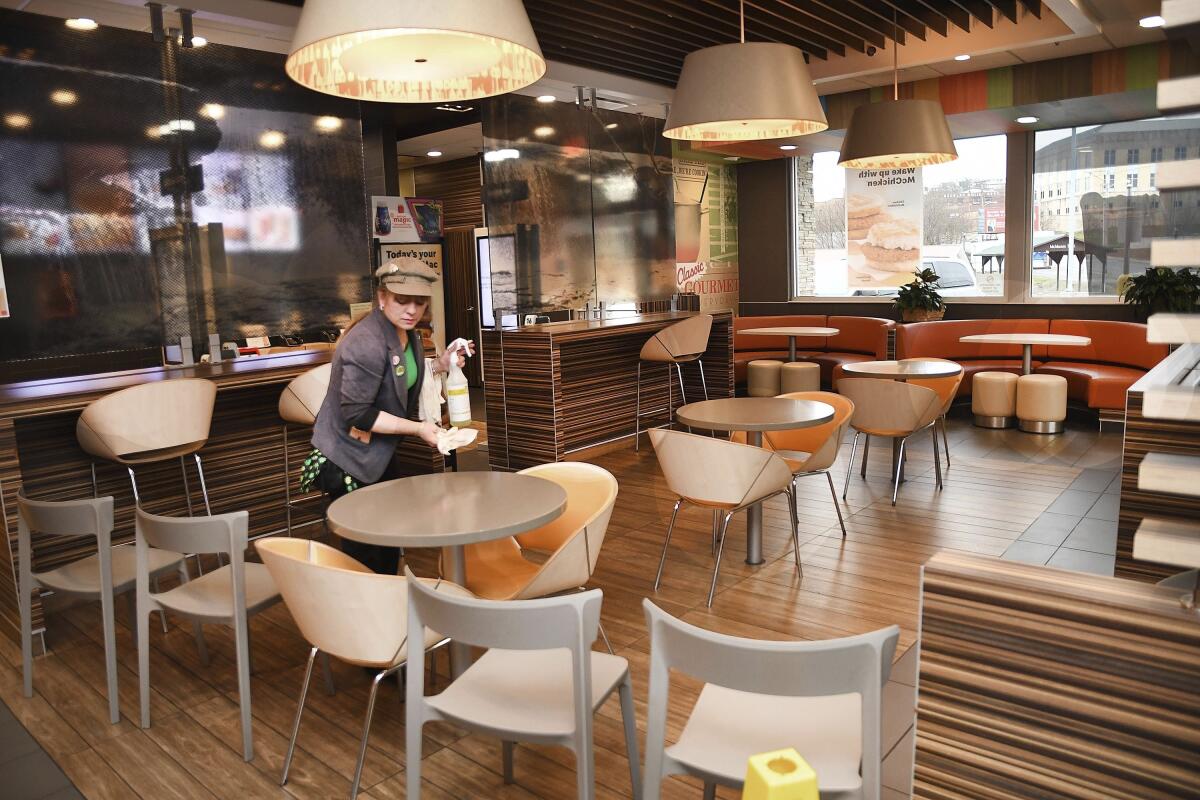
(431, 254)
(427, 215)
(706, 254)
(3, 292)
(406, 219)
(884, 219)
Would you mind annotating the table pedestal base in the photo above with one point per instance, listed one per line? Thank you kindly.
(754, 515)
(1041, 426)
(982, 421)
(460, 653)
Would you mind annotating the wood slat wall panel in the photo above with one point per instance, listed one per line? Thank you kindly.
(243, 467)
(1037, 682)
(550, 394)
(457, 184)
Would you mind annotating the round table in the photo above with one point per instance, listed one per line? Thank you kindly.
(447, 509)
(1027, 341)
(901, 371)
(754, 415)
(791, 333)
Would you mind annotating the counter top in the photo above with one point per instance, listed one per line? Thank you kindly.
(585, 328)
(56, 395)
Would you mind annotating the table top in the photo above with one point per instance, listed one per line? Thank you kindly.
(446, 508)
(1028, 338)
(786, 331)
(902, 370)
(754, 414)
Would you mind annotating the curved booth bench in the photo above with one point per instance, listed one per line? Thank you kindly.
(859, 339)
(1097, 375)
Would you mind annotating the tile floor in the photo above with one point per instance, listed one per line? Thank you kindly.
(26, 771)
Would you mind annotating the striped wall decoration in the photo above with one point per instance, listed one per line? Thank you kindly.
(1036, 682)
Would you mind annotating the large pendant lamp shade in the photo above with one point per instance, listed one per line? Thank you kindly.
(897, 133)
(414, 51)
(742, 92)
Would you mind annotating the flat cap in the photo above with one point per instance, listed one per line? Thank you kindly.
(409, 276)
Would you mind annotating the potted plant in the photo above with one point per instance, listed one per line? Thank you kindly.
(919, 300)
(1160, 289)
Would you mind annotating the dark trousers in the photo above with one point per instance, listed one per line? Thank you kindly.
(377, 558)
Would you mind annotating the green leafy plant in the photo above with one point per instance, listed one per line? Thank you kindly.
(1161, 289)
(921, 294)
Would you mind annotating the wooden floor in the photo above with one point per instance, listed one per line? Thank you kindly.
(998, 487)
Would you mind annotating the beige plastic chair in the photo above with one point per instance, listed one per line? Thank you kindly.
(812, 451)
(344, 609)
(681, 343)
(823, 698)
(891, 409)
(947, 390)
(540, 682)
(724, 476)
(299, 403)
(150, 423)
(103, 576)
(229, 595)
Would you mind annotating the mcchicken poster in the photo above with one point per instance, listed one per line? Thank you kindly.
(884, 218)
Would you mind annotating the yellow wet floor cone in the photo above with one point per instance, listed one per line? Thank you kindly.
(780, 775)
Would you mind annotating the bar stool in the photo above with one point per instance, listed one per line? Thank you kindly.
(799, 376)
(299, 403)
(149, 424)
(681, 343)
(763, 378)
(1041, 403)
(994, 399)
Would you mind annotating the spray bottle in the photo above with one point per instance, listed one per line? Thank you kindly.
(458, 396)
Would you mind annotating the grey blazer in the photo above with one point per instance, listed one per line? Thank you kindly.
(363, 376)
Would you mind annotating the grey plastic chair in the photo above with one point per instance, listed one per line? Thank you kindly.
(229, 595)
(103, 576)
(822, 698)
(540, 682)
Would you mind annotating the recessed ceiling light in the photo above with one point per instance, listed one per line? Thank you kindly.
(546, 98)
(963, 57)
(1027, 120)
(272, 140)
(1152, 22)
(212, 110)
(199, 41)
(543, 131)
(787, 147)
(328, 123)
(64, 97)
(17, 120)
(154, 132)
(434, 153)
(82, 24)
(610, 126)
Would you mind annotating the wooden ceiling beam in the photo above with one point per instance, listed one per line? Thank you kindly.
(982, 10)
(615, 30)
(1006, 7)
(653, 73)
(931, 19)
(728, 25)
(1034, 7)
(801, 36)
(841, 19)
(615, 47)
(952, 11)
(695, 34)
(906, 22)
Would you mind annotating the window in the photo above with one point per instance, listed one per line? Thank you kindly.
(962, 223)
(1101, 234)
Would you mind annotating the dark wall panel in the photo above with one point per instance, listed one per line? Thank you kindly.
(764, 237)
(457, 184)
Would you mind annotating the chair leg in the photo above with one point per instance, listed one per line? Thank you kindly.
(604, 636)
(137, 501)
(242, 645)
(162, 612)
(866, 453)
(712, 590)
(945, 441)
(187, 487)
(203, 485)
(197, 627)
(637, 413)
(710, 791)
(682, 393)
(287, 483)
(25, 601)
(327, 672)
(850, 466)
(95, 485)
(716, 530)
(507, 749)
(663, 558)
(143, 642)
(629, 721)
(836, 505)
(791, 495)
(703, 380)
(287, 761)
(937, 457)
(899, 468)
(362, 745)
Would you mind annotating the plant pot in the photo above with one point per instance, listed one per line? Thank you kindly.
(921, 314)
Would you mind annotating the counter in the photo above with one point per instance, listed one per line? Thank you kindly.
(558, 389)
(243, 459)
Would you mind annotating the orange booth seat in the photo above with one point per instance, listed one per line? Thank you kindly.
(1097, 375)
(858, 339)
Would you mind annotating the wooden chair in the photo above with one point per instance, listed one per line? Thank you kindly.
(681, 343)
(947, 389)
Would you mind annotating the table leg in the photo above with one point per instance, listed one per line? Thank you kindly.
(1027, 360)
(791, 348)
(460, 652)
(754, 513)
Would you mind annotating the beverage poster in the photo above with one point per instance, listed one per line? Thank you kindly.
(884, 218)
(405, 219)
(706, 252)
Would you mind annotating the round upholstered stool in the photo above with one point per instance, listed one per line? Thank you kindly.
(800, 376)
(994, 399)
(1041, 403)
(762, 378)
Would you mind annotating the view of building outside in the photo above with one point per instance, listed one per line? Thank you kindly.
(963, 223)
(1096, 205)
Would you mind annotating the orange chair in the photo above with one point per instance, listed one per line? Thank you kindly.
(812, 451)
(947, 390)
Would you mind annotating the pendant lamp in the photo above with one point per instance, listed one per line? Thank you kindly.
(897, 133)
(414, 51)
(744, 91)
